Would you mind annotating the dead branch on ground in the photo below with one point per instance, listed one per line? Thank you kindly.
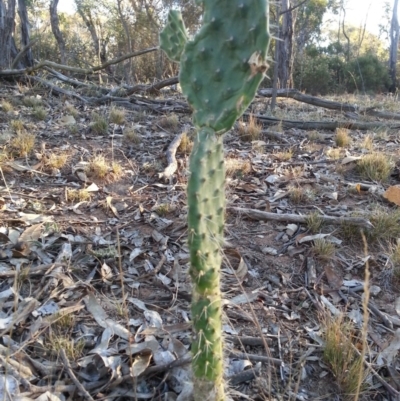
(295, 218)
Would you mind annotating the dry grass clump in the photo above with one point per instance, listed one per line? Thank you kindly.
(341, 356)
(39, 113)
(73, 129)
(116, 169)
(100, 168)
(16, 126)
(163, 209)
(23, 143)
(237, 167)
(350, 232)
(368, 142)
(285, 155)
(56, 160)
(386, 224)
(169, 122)
(314, 136)
(55, 342)
(314, 222)
(299, 195)
(395, 257)
(131, 136)
(71, 110)
(324, 249)
(117, 116)
(250, 131)
(6, 106)
(334, 153)
(186, 144)
(31, 101)
(77, 195)
(99, 124)
(375, 167)
(342, 138)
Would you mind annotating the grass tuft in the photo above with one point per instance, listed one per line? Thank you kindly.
(386, 224)
(98, 167)
(55, 160)
(368, 142)
(117, 116)
(375, 167)
(324, 249)
(285, 155)
(163, 209)
(23, 143)
(341, 356)
(6, 106)
(99, 124)
(342, 138)
(77, 195)
(186, 144)
(31, 101)
(16, 126)
(314, 222)
(395, 258)
(236, 167)
(71, 110)
(169, 122)
(250, 131)
(131, 136)
(39, 113)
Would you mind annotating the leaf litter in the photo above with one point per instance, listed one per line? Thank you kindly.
(95, 293)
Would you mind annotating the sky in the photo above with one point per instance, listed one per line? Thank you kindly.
(356, 12)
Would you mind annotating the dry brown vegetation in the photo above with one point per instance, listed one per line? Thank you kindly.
(94, 234)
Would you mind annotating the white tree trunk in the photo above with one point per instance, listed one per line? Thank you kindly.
(394, 44)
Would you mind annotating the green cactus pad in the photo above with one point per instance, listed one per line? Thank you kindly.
(223, 65)
(206, 224)
(174, 36)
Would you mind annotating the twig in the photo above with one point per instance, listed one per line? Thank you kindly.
(256, 358)
(266, 216)
(71, 374)
(172, 163)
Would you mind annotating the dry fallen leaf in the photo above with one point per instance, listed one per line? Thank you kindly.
(392, 194)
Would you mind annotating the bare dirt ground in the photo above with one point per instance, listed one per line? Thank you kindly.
(94, 290)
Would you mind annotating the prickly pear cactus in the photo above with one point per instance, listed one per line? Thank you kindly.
(220, 70)
(174, 36)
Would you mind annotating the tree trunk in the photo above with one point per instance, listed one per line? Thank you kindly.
(55, 27)
(27, 59)
(285, 46)
(129, 73)
(394, 44)
(87, 19)
(7, 27)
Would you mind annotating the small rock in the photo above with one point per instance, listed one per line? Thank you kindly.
(375, 290)
(268, 250)
(285, 238)
(291, 229)
(272, 178)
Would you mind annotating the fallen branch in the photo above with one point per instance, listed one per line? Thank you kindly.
(295, 218)
(57, 89)
(325, 125)
(153, 88)
(67, 366)
(313, 100)
(172, 163)
(85, 71)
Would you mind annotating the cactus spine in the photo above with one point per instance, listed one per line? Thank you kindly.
(220, 70)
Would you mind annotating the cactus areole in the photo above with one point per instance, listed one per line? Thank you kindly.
(220, 70)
